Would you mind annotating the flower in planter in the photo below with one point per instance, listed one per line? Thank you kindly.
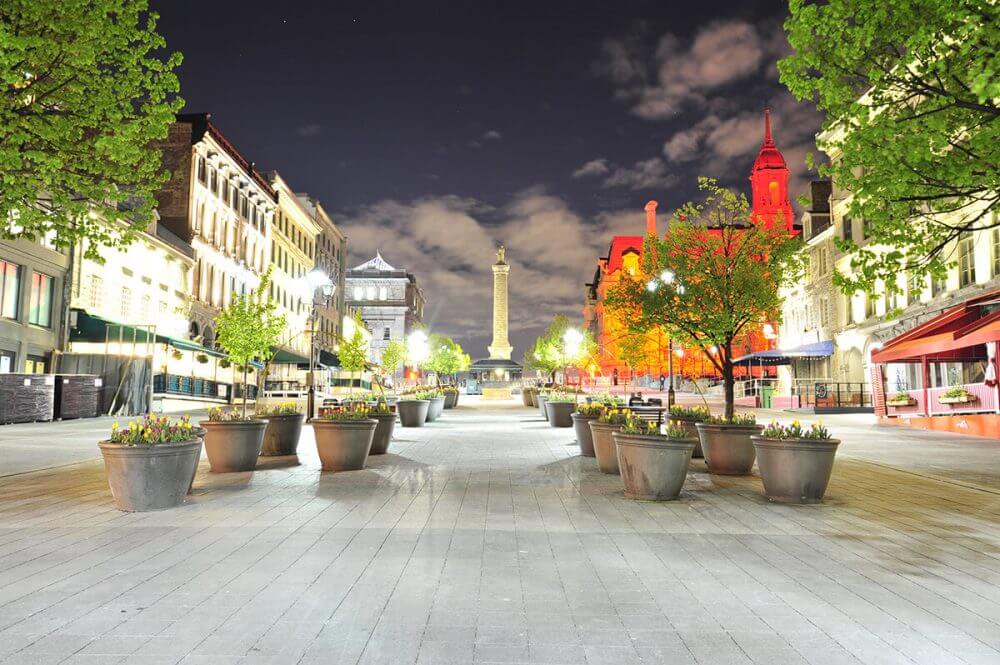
(152, 430)
(737, 419)
(561, 398)
(590, 410)
(176, 354)
(816, 431)
(693, 413)
(614, 416)
(283, 409)
(219, 415)
(901, 399)
(956, 394)
(345, 415)
(202, 358)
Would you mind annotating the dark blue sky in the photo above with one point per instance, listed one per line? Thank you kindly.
(545, 125)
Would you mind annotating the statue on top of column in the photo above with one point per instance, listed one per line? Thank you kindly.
(501, 253)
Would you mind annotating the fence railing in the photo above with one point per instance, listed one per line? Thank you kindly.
(831, 394)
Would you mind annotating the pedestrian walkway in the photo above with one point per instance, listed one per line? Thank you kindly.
(485, 538)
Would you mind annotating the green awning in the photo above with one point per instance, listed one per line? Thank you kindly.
(287, 356)
(91, 328)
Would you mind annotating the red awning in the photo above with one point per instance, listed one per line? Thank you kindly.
(956, 334)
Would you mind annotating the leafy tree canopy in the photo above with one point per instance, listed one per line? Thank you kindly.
(715, 277)
(393, 357)
(446, 356)
(911, 92)
(552, 352)
(86, 87)
(353, 352)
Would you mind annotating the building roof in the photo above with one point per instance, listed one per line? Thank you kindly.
(376, 263)
(769, 156)
(494, 363)
(201, 124)
(621, 245)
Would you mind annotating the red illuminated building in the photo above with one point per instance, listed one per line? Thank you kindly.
(769, 197)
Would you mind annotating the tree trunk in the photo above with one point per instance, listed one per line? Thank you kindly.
(245, 370)
(727, 380)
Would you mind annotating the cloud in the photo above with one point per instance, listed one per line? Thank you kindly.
(492, 135)
(308, 129)
(644, 174)
(449, 243)
(594, 167)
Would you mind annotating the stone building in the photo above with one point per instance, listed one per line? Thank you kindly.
(31, 299)
(390, 301)
(330, 256)
(221, 205)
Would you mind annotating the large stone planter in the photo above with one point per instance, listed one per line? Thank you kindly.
(155, 477)
(435, 409)
(525, 397)
(605, 449)
(533, 399)
(560, 414)
(692, 431)
(343, 445)
(412, 412)
(653, 467)
(540, 401)
(450, 400)
(795, 470)
(234, 445)
(383, 432)
(281, 436)
(728, 448)
(584, 437)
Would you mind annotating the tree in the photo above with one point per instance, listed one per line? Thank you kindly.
(447, 357)
(353, 352)
(86, 87)
(250, 328)
(393, 357)
(554, 351)
(911, 92)
(714, 278)
(633, 348)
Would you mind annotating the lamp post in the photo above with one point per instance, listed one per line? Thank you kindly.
(667, 279)
(417, 348)
(572, 339)
(315, 280)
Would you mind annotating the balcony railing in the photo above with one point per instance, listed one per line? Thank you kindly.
(189, 386)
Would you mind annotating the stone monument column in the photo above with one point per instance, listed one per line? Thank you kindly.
(500, 348)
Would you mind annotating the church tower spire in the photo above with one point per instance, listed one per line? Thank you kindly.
(769, 183)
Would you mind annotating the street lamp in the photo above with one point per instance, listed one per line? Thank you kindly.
(417, 347)
(312, 282)
(572, 339)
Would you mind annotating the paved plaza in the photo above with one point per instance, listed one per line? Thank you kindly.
(485, 538)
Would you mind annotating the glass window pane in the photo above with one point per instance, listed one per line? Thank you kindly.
(10, 282)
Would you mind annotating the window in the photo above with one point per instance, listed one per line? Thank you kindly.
(848, 229)
(870, 302)
(144, 308)
(824, 311)
(386, 333)
(6, 362)
(96, 292)
(36, 365)
(126, 304)
(966, 260)
(938, 286)
(235, 201)
(996, 252)
(201, 170)
(370, 293)
(914, 288)
(213, 180)
(359, 293)
(10, 289)
(866, 229)
(383, 293)
(225, 189)
(40, 304)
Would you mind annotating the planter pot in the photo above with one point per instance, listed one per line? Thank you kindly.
(605, 449)
(233, 446)
(533, 399)
(560, 414)
(450, 400)
(584, 437)
(957, 400)
(728, 448)
(795, 470)
(281, 436)
(383, 433)
(435, 408)
(150, 477)
(692, 431)
(412, 412)
(526, 397)
(344, 445)
(540, 401)
(653, 467)
(900, 403)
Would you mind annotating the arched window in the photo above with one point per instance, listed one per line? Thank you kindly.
(775, 190)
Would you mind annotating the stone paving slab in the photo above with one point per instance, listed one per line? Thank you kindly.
(485, 538)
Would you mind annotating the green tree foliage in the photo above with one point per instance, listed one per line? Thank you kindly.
(715, 277)
(86, 88)
(250, 328)
(911, 92)
(551, 353)
(353, 352)
(393, 357)
(446, 356)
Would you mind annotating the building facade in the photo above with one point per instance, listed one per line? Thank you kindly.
(330, 255)
(32, 276)
(217, 202)
(390, 301)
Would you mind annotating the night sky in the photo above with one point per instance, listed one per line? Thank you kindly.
(435, 131)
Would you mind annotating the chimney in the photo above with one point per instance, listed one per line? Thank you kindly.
(651, 218)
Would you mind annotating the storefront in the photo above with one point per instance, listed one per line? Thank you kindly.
(942, 374)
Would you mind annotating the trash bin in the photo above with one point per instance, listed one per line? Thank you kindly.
(766, 396)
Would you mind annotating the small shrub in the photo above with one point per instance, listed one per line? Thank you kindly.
(201, 358)
(345, 415)
(561, 398)
(815, 432)
(219, 415)
(694, 413)
(737, 419)
(957, 392)
(590, 410)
